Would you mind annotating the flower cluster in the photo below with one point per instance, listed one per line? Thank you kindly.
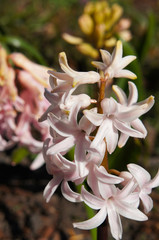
(101, 25)
(93, 128)
(22, 102)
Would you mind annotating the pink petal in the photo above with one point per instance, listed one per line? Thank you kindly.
(139, 126)
(146, 201)
(154, 182)
(91, 200)
(69, 194)
(105, 177)
(125, 74)
(51, 187)
(133, 93)
(128, 211)
(38, 162)
(139, 173)
(62, 128)
(62, 146)
(94, 222)
(122, 98)
(106, 57)
(124, 128)
(93, 117)
(122, 139)
(126, 60)
(114, 221)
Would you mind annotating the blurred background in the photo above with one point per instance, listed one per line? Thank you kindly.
(40, 30)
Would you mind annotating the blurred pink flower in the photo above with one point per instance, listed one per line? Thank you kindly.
(22, 102)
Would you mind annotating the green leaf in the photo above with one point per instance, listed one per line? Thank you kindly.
(19, 154)
(148, 37)
(19, 43)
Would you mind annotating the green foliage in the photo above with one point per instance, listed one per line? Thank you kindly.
(21, 45)
(19, 154)
(147, 39)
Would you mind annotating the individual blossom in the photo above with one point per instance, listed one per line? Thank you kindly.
(117, 118)
(62, 105)
(113, 65)
(128, 101)
(112, 202)
(144, 184)
(71, 77)
(73, 135)
(63, 171)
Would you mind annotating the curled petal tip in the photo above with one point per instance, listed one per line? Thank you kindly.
(62, 57)
(62, 54)
(151, 99)
(133, 77)
(119, 44)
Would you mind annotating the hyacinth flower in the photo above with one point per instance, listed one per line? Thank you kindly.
(101, 26)
(144, 183)
(117, 117)
(19, 113)
(112, 65)
(93, 131)
(112, 202)
(72, 78)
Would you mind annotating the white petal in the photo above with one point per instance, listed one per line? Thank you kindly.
(124, 128)
(38, 162)
(64, 65)
(106, 57)
(102, 132)
(91, 200)
(86, 125)
(61, 76)
(99, 65)
(122, 98)
(94, 222)
(69, 194)
(126, 60)
(62, 146)
(133, 93)
(125, 74)
(139, 173)
(146, 201)
(134, 111)
(104, 176)
(109, 106)
(92, 180)
(154, 182)
(51, 187)
(93, 117)
(114, 221)
(117, 53)
(106, 190)
(62, 128)
(126, 210)
(122, 139)
(139, 126)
